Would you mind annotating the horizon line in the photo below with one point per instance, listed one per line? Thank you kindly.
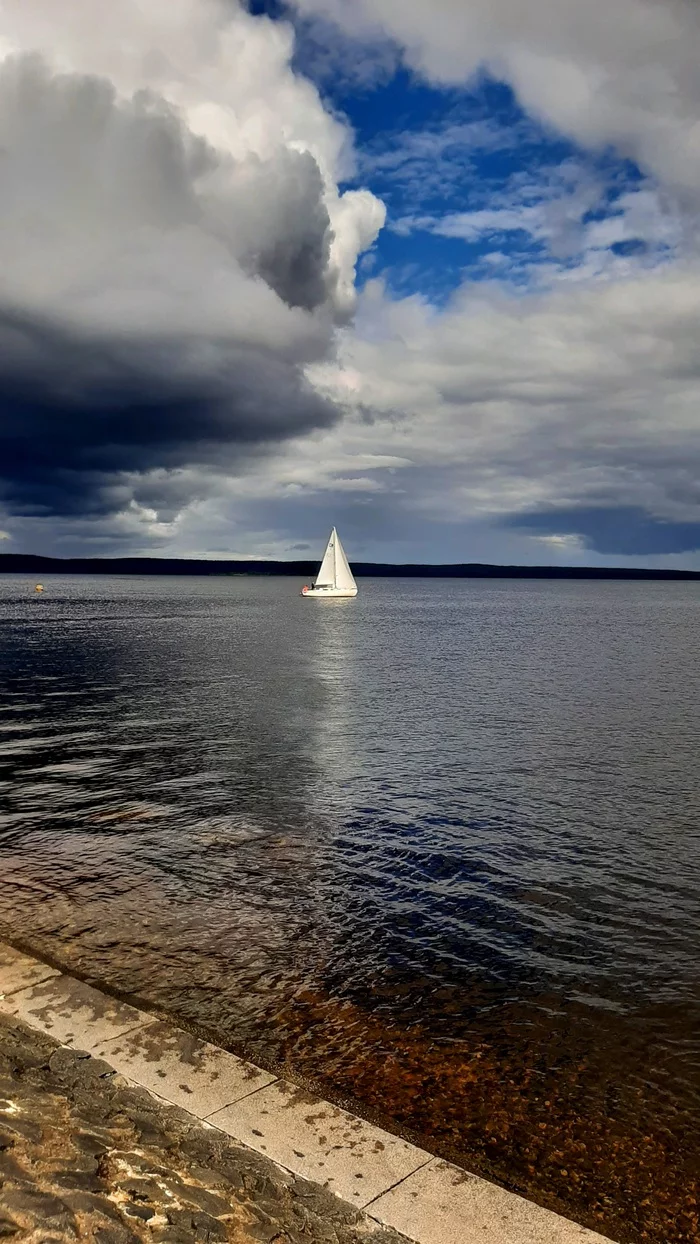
(21, 562)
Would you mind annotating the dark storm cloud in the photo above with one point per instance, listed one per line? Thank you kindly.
(626, 530)
(79, 412)
(156, 297)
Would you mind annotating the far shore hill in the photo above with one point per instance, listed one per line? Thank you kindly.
(36, 565)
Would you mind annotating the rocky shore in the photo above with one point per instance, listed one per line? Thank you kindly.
(85, 1156)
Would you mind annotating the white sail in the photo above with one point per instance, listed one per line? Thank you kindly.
(343, 574)
(326, 575)
(335, 577)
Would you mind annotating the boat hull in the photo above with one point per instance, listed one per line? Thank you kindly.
(329, 593)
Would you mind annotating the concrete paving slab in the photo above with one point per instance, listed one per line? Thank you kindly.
(73, 1012)
(442, 1204)
(18, 971)
(319, 1141)
(193, 1074)
(399, 1185)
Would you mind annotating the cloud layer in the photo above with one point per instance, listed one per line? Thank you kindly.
(182, 350)
(169, 269)
(552, 411)
(621, 73)
(544, 412)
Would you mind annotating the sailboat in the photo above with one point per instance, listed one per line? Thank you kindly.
(335, 576)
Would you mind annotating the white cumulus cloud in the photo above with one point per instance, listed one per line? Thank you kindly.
(174, 246)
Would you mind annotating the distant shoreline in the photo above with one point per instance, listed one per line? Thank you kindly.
(27, 563)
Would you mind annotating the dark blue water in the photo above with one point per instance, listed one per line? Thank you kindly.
(443, 814)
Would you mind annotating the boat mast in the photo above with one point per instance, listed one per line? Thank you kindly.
(334, 538)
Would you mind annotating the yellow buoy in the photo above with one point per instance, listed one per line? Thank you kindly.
(39, 587)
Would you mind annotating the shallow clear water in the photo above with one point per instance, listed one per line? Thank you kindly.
(436, 848)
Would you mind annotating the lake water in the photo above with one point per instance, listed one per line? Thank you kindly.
(435, 850)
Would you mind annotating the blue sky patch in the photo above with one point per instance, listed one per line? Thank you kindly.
(475, 188)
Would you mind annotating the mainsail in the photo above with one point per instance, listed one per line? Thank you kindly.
(326, 575)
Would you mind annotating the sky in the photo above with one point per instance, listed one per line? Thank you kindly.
(430, 273)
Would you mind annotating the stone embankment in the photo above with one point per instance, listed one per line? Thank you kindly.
(84, 1156)
(116, 1127)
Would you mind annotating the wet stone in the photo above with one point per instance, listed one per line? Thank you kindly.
(80, 1181)
(42, 1204)
(116, 1235)
(9, 1168)
(209, 1178)
(36, 1054)
(144, 1212)
(20, 1126)
(201, 1197)
(84, 1157)
(140, 1164)
(199, 1226)
(89, 1203)
(144, 1190)
(64, 1059)
(78, 1163)
(90, 1143)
